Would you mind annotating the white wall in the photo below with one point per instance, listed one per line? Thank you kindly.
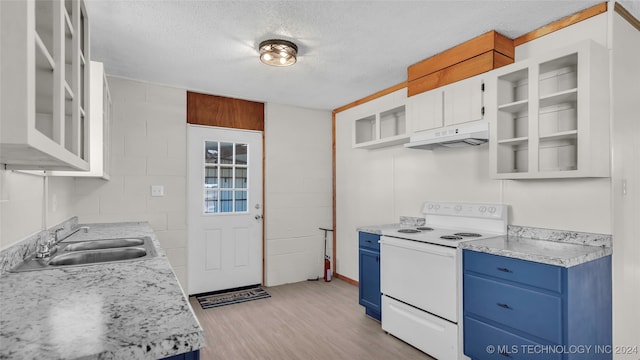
(377, 186)
(21, 204)
(148, 147)
(298, 192)
(626, 168)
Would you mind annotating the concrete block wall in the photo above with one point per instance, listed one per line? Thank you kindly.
(148, 147)
(298, 192)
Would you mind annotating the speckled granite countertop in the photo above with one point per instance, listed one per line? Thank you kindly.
(125, 310)
(553, 247)
(377, 229)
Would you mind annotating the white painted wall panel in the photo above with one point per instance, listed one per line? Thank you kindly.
(298, 192)
(21, 204)
(626, 169)
(577, 204)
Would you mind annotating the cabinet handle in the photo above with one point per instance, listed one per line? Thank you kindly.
(504, 269)
(504, 306)
(369, 241)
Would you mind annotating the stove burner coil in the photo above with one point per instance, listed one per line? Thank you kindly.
(466, 234)
(408, 231)
(424, 228)
(451, 237)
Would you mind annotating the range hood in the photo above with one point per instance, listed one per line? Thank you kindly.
(463, 135)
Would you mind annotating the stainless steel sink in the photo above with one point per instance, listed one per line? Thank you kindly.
(103, 244)
(84, 253)
(97, 256)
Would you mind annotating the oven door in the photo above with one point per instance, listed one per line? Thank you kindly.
(421, 275)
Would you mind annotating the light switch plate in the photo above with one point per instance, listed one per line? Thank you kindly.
(157, 190)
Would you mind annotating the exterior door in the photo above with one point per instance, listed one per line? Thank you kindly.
(224, 216)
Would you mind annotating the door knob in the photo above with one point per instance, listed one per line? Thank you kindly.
(258, 217)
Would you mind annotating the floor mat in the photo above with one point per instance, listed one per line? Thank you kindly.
(234, 296)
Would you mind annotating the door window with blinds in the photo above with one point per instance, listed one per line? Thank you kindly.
(225, 177)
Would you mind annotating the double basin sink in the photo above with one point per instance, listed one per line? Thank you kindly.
(92, 252)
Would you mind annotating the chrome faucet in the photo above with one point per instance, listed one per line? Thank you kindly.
(84, 228)
(56, 236)
(50, 246)
(47, 248)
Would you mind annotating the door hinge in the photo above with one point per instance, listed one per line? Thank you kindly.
(482, 87)
(482, 111)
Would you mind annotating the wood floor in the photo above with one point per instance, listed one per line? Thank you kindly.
(306, 320)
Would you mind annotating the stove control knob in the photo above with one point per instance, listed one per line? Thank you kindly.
(483, 209)
(436, 206)
(458, 208)
(430, 206)
(492, 209)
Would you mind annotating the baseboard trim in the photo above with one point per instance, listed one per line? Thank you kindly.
(346, 279)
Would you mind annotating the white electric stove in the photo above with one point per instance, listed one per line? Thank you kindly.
(421, 273)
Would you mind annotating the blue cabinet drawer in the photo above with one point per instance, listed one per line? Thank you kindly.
(369, 240)
(526, 272)
(487, 342)
(533, 312)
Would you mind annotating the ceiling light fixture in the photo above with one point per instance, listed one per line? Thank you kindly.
(276, 52)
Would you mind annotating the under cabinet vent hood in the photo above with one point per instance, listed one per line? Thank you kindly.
(451, 136)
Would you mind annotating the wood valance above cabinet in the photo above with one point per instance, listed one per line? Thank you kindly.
(212, 110)
(483, 53)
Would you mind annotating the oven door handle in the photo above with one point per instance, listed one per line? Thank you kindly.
(416, 248)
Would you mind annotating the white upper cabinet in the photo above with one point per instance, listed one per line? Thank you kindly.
(99, 127)
(455, 103)
(463, 101)
(426, 110)
(45, 72)
(550, 116)
(380, 122)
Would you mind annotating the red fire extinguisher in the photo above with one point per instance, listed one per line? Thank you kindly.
(327, 259)
(327, 269)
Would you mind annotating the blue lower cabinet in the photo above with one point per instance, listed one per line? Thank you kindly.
(526, 310)
(369, 269)
(193, 355)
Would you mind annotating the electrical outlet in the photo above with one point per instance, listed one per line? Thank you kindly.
(157, 190)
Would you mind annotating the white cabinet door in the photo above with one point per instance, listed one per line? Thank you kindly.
(463, 101)
(551, 117)
(99, 127)
(426, 110)
(44, 88)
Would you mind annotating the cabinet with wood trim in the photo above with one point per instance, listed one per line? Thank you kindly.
(44, 107)
(380, 122)
(452, 104)
(550, 116)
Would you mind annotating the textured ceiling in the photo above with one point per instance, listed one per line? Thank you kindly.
(347, 49)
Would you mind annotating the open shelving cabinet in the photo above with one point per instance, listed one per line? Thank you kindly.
(552, 117)
(45, 85)
(380, 122)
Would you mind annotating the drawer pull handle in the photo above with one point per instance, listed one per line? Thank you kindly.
(504, 269)
(504, 306)
(369, 241)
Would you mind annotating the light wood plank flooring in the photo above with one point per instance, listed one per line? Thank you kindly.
(306, 320)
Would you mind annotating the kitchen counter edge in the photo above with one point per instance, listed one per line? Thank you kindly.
(118, 310)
